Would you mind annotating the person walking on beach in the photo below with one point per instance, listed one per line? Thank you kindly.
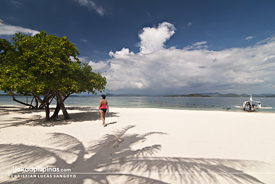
(103, 108)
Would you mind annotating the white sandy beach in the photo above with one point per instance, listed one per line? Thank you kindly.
(139, 146)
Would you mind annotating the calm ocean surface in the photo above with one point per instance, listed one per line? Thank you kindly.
(193, 103)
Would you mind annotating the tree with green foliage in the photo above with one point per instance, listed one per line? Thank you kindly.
(46, 65)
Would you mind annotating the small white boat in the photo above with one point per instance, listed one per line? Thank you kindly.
(251, 105)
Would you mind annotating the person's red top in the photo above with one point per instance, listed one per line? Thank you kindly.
(103, 106)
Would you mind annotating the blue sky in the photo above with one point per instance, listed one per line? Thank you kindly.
(160, 47)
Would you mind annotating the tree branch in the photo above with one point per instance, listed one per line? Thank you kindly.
(14, 99)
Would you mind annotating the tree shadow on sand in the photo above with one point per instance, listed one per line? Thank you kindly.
(82, 114)
(112, 160)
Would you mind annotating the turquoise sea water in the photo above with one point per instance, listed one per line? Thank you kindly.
(194, 103)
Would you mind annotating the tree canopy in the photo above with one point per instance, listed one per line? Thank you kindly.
(46, 65)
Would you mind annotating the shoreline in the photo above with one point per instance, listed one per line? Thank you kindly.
(195, 141)
(162, 108)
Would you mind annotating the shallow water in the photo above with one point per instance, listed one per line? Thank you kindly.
(195, 103)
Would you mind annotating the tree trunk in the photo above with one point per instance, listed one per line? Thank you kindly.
(61, 104)
(46, 104)
(36, 103)
(56, 111)
(37, 97)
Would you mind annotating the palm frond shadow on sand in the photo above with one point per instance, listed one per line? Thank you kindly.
(82, 114)
(113, 159)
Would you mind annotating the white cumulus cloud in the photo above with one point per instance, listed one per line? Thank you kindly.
(11, 30)
(157, 69)
(101, 66)
(123, 54)
(248, 69)
(153, 39)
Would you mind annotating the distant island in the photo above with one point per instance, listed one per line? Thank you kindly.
(190, 95)
(220, 95)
